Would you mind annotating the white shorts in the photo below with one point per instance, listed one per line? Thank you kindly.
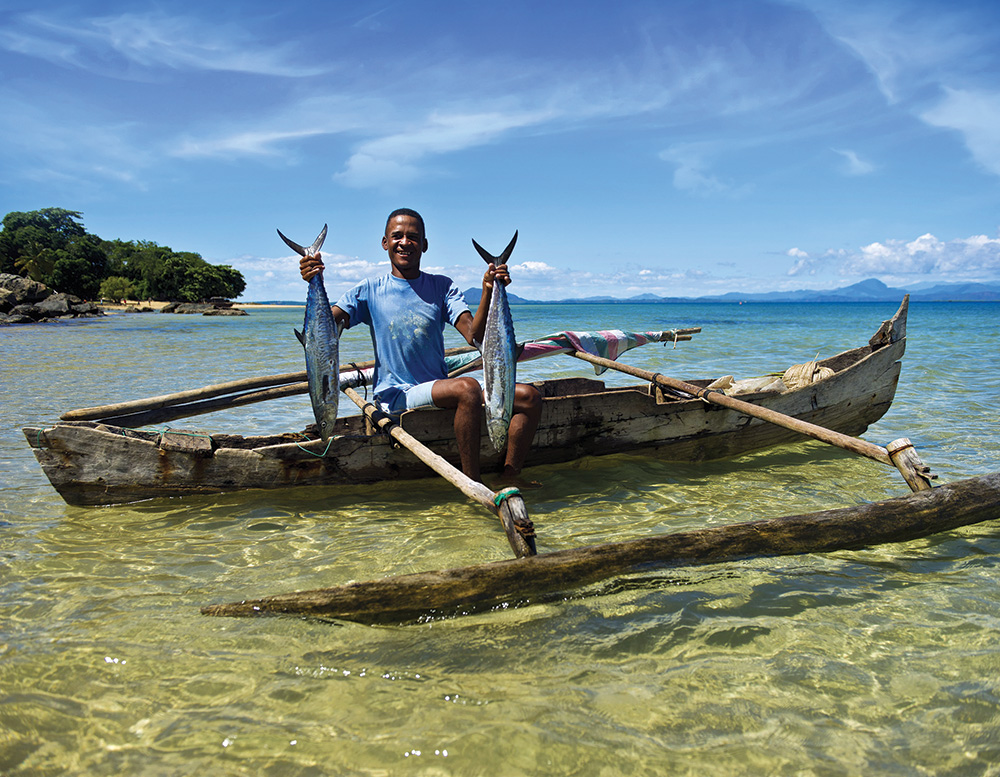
(398, 400)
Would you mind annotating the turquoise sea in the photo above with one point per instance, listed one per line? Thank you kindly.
(870, 662)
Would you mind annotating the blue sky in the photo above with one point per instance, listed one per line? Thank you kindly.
(674, 148)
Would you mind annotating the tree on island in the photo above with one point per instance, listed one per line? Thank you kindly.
(51, 246)
(118, 289)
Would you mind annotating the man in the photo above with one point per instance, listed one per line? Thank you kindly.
(406, 311)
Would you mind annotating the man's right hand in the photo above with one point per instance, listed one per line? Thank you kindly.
(310, 266)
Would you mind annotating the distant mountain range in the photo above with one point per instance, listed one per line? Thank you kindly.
(871, 290)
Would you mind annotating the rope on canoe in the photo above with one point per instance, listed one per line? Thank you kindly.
(317, 455)
(361, 378)
(522, 524)
(504, 494)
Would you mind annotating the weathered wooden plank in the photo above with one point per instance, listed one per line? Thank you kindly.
(196, 443)
(517, 581)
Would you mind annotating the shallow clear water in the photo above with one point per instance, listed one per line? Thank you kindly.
(882, 661)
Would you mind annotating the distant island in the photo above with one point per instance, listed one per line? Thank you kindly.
(871, 290)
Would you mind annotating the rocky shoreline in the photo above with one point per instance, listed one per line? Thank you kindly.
(214, 307)
(24, 301)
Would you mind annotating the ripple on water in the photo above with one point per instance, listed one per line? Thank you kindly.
(864, 662)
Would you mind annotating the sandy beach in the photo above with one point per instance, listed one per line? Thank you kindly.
(115, 307)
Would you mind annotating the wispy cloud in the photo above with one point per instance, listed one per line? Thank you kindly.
(940, 66)
(692, 171)
(855, 166)
(64, 151)
(393, 158)
(116, 45)
(975, 114)
(277, 129)
(908, 46)
(465, 100)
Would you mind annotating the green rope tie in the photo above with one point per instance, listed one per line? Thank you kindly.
(317, 455)
(504, 494)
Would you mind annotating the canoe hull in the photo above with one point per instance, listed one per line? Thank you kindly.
(91, 463)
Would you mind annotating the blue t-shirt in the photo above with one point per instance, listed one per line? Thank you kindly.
(407, 320)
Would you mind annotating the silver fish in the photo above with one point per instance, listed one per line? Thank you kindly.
(499, 355)
(321, 340)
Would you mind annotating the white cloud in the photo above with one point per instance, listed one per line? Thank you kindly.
(804, 263)
(270, 277)
(534, 270)
(251, 143)
(975, 114)
(971, 258)
(691, 172)
(393, 158)
(855, 164)
(968, 258)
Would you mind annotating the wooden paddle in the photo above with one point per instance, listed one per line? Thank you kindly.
(509, 507)
(899, 454)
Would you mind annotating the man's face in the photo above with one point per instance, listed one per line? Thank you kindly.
(405, 242)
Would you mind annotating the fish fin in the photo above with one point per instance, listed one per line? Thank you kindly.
(318, 242)
(497, 260)
(292, 244)
(508, 250)
(490, 259)
(302, 339)
(311, 250)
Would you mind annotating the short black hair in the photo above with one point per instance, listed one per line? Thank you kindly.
(407, 212)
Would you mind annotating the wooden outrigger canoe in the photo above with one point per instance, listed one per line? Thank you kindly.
(103, 462)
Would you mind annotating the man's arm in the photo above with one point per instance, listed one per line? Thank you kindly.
(473, 328)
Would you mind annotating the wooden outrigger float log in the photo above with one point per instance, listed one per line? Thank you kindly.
(512, 582)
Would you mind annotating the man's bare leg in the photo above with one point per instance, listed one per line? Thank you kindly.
(520, 434)
(466, 397)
